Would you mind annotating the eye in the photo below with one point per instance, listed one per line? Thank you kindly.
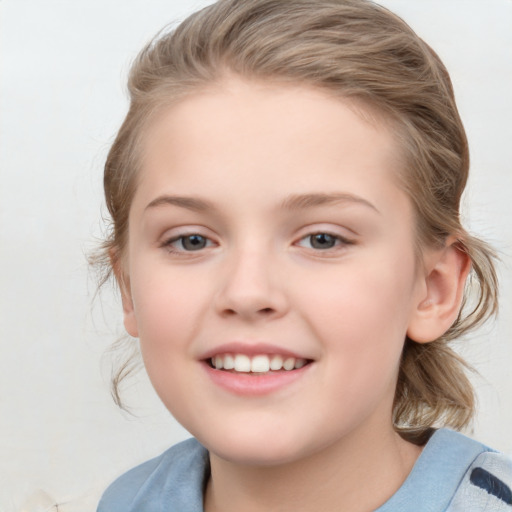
(188, 243)
(322, 241)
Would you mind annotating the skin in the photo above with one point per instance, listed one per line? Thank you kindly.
(245, 151)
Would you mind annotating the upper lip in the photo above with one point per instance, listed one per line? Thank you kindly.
(250, 349)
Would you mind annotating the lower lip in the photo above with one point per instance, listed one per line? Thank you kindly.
(250, 384)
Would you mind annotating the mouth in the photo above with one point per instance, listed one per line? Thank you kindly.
(260, 364)
(255, 369)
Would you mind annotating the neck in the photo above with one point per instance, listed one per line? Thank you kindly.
(359, 474)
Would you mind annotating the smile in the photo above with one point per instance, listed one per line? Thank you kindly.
(255, 369)
(259, 364)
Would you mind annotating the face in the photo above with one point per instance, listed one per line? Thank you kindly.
(270, 270)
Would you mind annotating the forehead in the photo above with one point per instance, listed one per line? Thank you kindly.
(286, 137)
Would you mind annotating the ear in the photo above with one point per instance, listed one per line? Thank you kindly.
(123, 281)
(441, 292)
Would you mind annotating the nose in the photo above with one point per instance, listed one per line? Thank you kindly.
(251, 287)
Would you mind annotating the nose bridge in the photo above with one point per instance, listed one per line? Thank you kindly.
(251, 285)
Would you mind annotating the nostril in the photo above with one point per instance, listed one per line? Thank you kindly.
(261, 311)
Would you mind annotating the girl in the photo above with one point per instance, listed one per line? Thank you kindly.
(284, 194)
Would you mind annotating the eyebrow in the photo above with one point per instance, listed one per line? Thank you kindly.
(305, 201)
(190, 203)
(293, 202)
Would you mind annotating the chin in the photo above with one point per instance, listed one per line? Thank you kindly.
(255, 448)
(250, 455)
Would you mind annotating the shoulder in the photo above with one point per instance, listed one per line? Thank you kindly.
(176, 477)
(484, 475)
(486, 486)
(454, 473)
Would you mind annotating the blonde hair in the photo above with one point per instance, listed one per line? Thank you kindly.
(358, 50)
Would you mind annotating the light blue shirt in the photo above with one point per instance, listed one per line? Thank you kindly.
(453, 474)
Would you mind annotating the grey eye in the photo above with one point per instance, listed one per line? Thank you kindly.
(322, 241)
(193, 242)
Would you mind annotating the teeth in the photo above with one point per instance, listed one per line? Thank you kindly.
(257, 364)
(242, 363)
(276, 363)
(260, 364)
(289, 363)
(299, 363)
(229, 362)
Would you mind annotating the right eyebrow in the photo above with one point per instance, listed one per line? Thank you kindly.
(189, 203)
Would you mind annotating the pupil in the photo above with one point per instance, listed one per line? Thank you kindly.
(193, 242)
(322, 241)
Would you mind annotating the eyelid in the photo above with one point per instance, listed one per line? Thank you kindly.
(175, 234)
(339, 237)
(336, 230)
(342, 241)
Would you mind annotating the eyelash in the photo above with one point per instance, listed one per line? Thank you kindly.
(169, 243)
(339, 242)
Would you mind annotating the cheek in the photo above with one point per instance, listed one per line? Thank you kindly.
(362, 332)
(167, 306)
(361, 315)
(166, 325)
(366, 297)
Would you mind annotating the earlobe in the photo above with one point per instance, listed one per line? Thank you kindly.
(440, 300)
(129, 318)
(123, 281)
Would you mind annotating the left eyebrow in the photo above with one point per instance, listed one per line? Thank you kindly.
(305, 201)
(189, 203)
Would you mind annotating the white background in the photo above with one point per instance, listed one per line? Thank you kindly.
(62, 73)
